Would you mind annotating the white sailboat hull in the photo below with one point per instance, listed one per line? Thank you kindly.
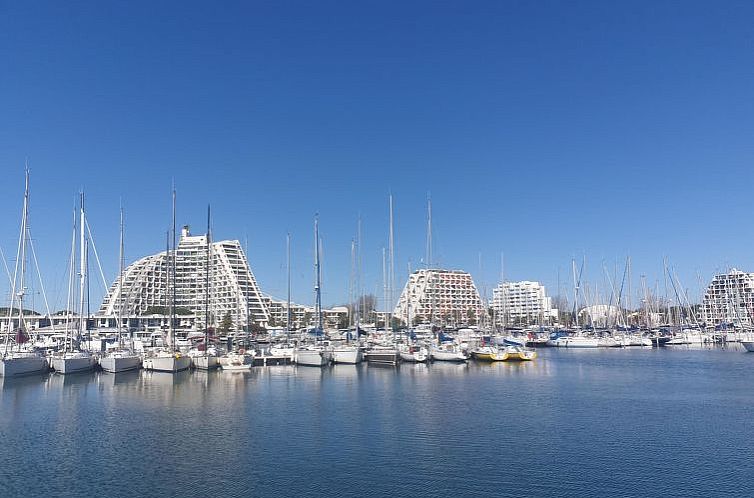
(349, 356)
(456, 356)
(208, 362)
(415, 357)
(574, 342)
(311, 358)
(116, 364)
(18, 366)
(232, 367)
(69, 365)
(172, 363)
(383, 356)
(748, 345)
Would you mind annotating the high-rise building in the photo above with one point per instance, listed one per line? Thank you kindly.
(233, 290)
(729, 299)
(522, 303)
(440, 297)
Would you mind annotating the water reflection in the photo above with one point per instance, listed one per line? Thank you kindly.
(314, 431)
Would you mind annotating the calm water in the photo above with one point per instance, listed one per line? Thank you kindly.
(573, 423)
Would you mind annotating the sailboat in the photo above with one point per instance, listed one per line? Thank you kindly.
(74, 359)
(349, 353)
(314, 355)
(386, 352)
(169, 359)
(17, 358)
(286, 350)
(207, 359)
(410, 351)
(123, 358)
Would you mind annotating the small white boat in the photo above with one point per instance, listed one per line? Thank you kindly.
(120, 361)
(633, 340)
(414, 354)
(448, 352)
(312, 356)
(607, 342)
(204, 360)
(748, 344)
(690, 336)
(282, 351)
(383, 355)
(574, 342)
(18, 363)
(73, 362)
(235, 362)
(166, 361)
(350, 355)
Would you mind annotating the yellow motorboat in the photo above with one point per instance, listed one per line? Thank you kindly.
(519, 353)
(489, 353)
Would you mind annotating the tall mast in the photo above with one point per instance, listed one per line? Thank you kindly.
(384, 286)
(391, 267)
(71, 299)
(503, 298)
(172, 281)
(575, 293)
(18, 290)
(351, 285)
(360, 302)
(429, 261)
(288, 303)
(82, 265)
(408, 307)
(318, 277)
(24, 234)
(206, 285)
(120, 280)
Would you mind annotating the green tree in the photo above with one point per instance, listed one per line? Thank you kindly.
(226, 323)
(470, 316)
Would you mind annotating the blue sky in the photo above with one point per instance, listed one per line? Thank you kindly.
(546, 130)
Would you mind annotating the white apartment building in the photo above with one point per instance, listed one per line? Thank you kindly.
(522, 302)
(729, 299)
(441, 297)
(233, 289)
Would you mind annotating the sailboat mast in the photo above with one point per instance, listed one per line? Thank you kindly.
(359, 301)
(408, 307)
(429, 259)
(22, 281)
(351, 285)
(391, 266)
(318, 277)
(19, 251)
(288, 301)
(206, 286)
(71, 299)
(384, 286)
(575, 293)
(172, 281)
(503, 298)
(82, 265)
(120, 280)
